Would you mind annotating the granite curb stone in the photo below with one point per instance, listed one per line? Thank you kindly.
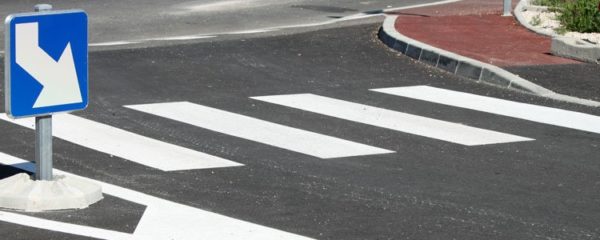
(464, 66)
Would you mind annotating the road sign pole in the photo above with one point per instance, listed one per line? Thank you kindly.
(43, 148)
(507, 8)
(43, 134)
(42, 7)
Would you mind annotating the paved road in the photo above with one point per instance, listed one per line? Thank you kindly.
(354, 163)
(134, 20)
(578, 80)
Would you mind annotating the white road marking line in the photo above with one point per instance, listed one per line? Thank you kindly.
(357, 16)
(270, 29)
(413, 124)
(260, 30)
(421, 5)
(127, 145)
(223, 5)
(115, 43)
(535, 113)
(257, 130)
(162, 219)
(62, 227)
(181, 38)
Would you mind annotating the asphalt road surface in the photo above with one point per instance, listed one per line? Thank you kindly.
(304, 135)
(115, 21)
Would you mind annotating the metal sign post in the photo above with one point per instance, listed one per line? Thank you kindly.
(43, 134)
(507, 8)
(43, 148)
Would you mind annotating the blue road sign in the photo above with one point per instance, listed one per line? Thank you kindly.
(46, 63)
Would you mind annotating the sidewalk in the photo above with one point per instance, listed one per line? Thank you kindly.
(476, 29)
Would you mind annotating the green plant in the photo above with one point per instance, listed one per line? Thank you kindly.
(549, 3)
(561, 30)
(535, 21)
(580, 15)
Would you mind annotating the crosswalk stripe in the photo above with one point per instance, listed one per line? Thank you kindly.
(413, 124)
(57, 226)
(162, 219)
(127, 145)
(257, 130)
(535, 113)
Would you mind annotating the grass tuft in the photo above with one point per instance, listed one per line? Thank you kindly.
(575, 15)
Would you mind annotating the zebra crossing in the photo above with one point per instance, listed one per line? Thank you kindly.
(169, 157)
(165, 156)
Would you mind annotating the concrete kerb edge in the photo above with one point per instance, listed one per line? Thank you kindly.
(561, 46)
(463, 64)
(518, 12)
(575, 49)
(468, 67)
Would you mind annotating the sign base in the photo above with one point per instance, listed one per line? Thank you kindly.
(20, 192)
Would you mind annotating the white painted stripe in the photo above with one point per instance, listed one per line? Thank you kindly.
(421, 5)
(127, 145)
(260, 30)
(62, 227)
(413, 124)
(535, 113)
(359, 16)
(271, 29)
(115, 43)
(162, 219)
(253, 129)
(181, 38)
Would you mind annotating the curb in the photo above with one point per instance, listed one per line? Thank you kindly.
(464, 66)
(519, 9)
(561, 46)
(575, 49)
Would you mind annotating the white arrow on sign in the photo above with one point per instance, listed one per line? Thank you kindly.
(58, 78)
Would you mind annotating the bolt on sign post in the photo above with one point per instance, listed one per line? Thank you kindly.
(46, 72)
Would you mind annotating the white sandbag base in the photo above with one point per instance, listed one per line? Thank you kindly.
(19, 192)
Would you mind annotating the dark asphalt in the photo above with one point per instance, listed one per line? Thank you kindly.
(134, 20)
(579, 80)
(429, 189)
